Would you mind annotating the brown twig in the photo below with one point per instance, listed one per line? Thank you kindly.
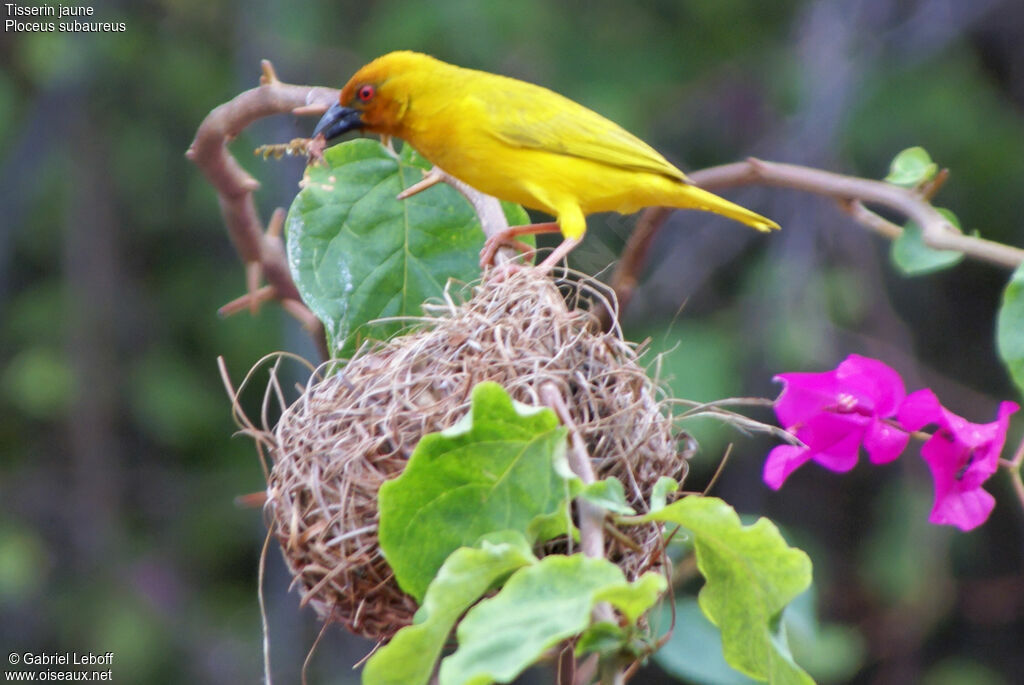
(852, 194)
(261, 252)
(912, 203)
(627, 271)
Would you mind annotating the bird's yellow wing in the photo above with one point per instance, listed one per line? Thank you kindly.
(523, 115)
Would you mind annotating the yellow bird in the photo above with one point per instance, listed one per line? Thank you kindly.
(519, 142)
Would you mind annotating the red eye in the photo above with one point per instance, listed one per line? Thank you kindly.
(366, 93)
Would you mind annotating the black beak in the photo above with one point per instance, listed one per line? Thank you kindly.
(337, 120)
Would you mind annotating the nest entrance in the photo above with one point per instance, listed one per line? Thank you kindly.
(349, 432)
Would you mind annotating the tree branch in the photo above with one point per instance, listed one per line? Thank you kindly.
(261, 251)
(852, 194)
(913, 203)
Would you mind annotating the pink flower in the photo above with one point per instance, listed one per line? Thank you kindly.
(961, 456)
(834, 413)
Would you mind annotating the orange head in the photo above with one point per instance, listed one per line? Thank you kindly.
(377, 97)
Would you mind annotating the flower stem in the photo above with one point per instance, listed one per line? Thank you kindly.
(917, 435)
(1018, 457)
(1018, 483)
(1013, 468)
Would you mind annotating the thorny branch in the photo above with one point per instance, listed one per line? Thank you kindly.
(261, 251)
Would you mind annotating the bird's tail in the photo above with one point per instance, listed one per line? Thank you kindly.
(698, 198)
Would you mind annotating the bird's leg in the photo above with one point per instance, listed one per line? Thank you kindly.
(506, 236)
(559, 253)
(388, 143)
(430, 179)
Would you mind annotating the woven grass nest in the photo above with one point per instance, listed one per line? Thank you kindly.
(351, 431)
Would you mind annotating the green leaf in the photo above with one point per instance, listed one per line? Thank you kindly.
(913, 258)
(663, 487)
(540, 606)
(358, 254)
(751, 575)
(555, 524)
(496, 469)
(608, 494)
(603, 637)
(635, 598)
(911, 167)
(463, 578)
(693, 653)
(1010, 328)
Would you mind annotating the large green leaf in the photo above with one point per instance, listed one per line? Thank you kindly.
(1010, 328)
(465, 576)
(358, 254)
(500, 468)
(751, 575)
(539, 606)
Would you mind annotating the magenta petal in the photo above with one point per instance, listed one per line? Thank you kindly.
(803, 396)
(782, 461)
(1005, 409)
(957, 502)
(841, 453)
(961, 455)
(1003, 422)
(884, 442)
(834, 412)
(965, 510)
(875, 384)
(919, 409)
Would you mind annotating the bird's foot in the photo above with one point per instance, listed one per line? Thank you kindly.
(429, 180)
(501, 272)
(501, 239)
(558, 254)
(504, 238)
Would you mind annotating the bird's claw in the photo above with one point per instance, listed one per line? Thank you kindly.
(430, 179)
(501, 272)
(497, 241)
(389, 146)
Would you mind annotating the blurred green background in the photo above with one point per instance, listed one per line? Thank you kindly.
(118, 467)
